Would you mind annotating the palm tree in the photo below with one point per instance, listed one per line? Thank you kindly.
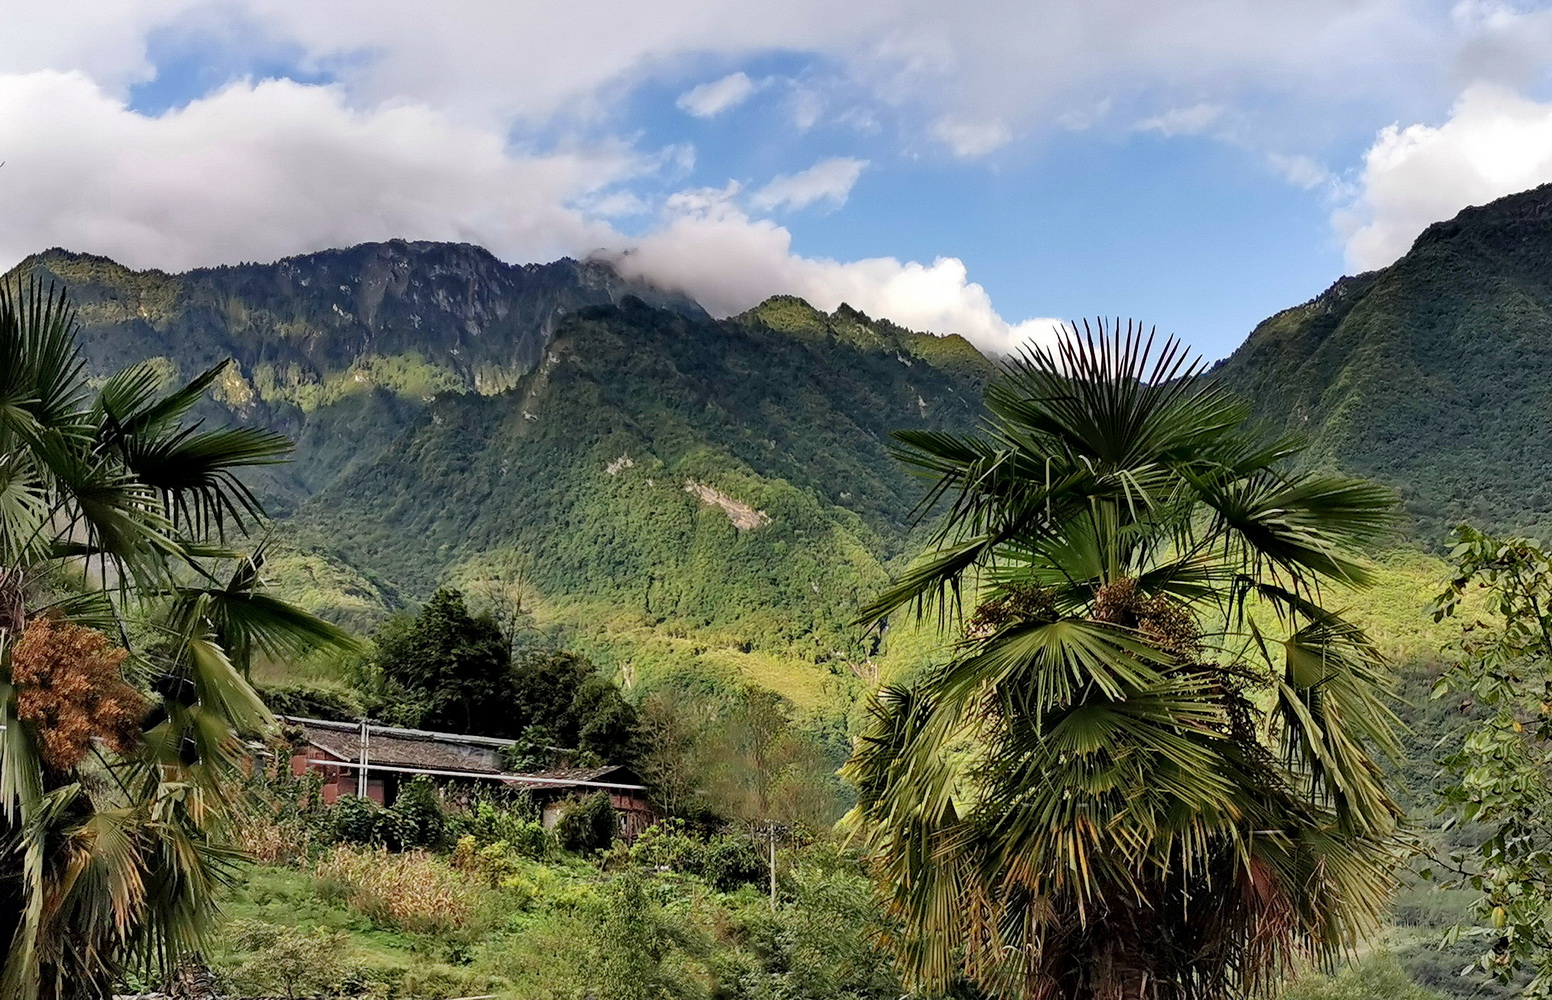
(115, 578)
(1147, 770)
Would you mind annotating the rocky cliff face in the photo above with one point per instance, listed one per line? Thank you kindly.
(479, 321)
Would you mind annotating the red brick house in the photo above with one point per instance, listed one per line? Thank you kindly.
(374, 761)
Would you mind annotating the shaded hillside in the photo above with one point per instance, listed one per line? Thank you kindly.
(413, 318)
(1434, 374)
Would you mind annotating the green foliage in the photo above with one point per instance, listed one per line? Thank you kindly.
(567, 704)
(118, 512)
(287, 961)
(766, 769)
(1426, 374)
(415, 821)
(632, 946)
(725, 861)
(1379, 978)
(1501, 771)
(1149, 710)
(421, 823)
(513, 822)
(446, 669)
(587, 824)
(570, 929)
(354, 820)
(313, 700)
(451, 447)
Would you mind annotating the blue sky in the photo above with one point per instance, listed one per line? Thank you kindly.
(1198, 165)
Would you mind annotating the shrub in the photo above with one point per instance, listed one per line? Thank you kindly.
(724, 861)
(287, 960)
(487, 820)
(414, 822)
(354, 820)
(421, 822)
(313, 701)
(587, 824)
(498, 863)
(413, 891)
(1378, 978)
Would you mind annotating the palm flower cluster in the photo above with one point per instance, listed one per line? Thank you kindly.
(71, 690)
(1148, 770)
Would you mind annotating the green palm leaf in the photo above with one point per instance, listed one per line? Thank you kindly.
(1090, 797)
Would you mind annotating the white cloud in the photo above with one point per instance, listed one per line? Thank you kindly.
(807, 106)
(1084, 118)
(104, 38)
(980, 61)
(415, 138)
(711, 99)
(1192, 120)
(972, 138)
(258, 171)
(710, 249)
(1300, 170)
(828, 181)
(1494, 143)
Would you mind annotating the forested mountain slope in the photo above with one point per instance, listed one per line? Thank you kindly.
(1433, 374)
(688, 473)
(367, 326)
(631, 460)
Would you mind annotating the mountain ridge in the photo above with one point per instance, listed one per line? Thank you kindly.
(727, 484)
(1428, 374)
(704, 495)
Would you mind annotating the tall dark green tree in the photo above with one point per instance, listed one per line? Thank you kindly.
(448, 670)
(563, 695)
(1147, 771)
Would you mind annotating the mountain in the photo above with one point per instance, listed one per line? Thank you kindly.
(412, 318)
(698, 494)
(1433, 374)
(679, 491)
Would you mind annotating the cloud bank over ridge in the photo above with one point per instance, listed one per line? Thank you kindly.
(502, 124)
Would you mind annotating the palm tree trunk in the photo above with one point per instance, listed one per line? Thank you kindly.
(13, 605)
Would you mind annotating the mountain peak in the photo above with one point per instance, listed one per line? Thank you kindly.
(310, 319)
(787, 314)
(1425, 373)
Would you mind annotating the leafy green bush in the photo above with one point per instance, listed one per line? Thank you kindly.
(1379, 978)
(488, 820)
(311, 700)
(725, 861)
(354, 820)
(419, 819)
(288, 961)
(587, 824)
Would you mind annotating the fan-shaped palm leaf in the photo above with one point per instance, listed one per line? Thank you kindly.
(1087, 801)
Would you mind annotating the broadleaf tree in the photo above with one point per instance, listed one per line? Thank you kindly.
(1499, 774)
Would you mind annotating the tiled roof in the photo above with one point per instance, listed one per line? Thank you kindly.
(616, 773)
(404, 751)
(392, 747)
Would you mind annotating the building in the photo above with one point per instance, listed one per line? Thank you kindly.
(373, 761)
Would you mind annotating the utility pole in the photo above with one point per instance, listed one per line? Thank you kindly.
(361, 771)
(770, 832)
